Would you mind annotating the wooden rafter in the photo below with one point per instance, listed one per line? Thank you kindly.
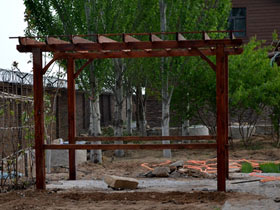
(129, 43)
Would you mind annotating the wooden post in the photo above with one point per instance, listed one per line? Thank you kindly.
(222, 113)
(39, 119)
(71, 115)
(227, 115)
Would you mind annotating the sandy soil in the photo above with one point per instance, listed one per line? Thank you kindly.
(54, 200)
(130, 166)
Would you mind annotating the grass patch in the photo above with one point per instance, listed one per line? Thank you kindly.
(246, 167)
(270, 168)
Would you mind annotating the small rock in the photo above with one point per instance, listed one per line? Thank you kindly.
(176, 174)
(117, 182)
(176, 165)
(161, 171)
(277, 200)
(149, 174)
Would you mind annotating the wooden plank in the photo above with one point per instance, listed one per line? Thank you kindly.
(222, 112)
(184, 44)
(143, 138)
(52, 41)
(39, 119)
(71, 115)
(129, 146)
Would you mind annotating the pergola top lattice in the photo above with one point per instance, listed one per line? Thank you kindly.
(132, 45)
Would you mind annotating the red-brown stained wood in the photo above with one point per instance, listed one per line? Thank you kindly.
(222, 112)
(52, 40)
(227, 115)
(262, 18)
(143, 138)
(154, 38)
(142, 54)
(129, 146)
(128, 38)
(27, 41)
(103, 39)
(106, 44)
(71, 116)
(79, 40)
(180, 37)
(39, 119)
(82, 68)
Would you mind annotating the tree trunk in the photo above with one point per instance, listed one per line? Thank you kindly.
(165, 94)
(94, 112)
(129, 113)
(118, 92)
(140, 102)
(95, 116)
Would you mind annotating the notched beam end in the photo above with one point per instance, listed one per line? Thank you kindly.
(52, 40)
(103, 39)
(154, 38)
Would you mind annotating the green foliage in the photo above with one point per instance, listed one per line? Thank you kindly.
(246, 167)
(270, 168)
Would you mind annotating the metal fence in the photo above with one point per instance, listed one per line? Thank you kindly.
(17, 163)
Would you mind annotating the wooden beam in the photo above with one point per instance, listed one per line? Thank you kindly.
(227, 113)
(79, 40)
(184, 44)
(71, 115)
(129, 146)
(143, 54)
(154, 38)
(211, 64)
(55, 41)
(180, 37)
(27, 41)
(128, 39)
(39, 119)
(205, 36)
(231, 35)
(222, 116)
(82, 68)
(55, 57)
(143, 138)
(103, 39)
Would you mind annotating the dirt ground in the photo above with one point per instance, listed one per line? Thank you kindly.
(130, 166)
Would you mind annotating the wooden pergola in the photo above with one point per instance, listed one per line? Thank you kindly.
(132, 45)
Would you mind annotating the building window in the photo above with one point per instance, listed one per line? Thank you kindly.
(237, 21)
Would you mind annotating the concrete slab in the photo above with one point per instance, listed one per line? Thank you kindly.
(269, 190)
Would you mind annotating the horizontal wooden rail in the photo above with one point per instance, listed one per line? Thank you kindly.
(172, 44)
(129, 146)
(143, 138)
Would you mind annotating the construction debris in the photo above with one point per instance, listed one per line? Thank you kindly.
(120, 183)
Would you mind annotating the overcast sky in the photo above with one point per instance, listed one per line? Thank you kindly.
(12, 24)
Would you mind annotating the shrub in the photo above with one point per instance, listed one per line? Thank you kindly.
(270, 168)
(246, 167)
